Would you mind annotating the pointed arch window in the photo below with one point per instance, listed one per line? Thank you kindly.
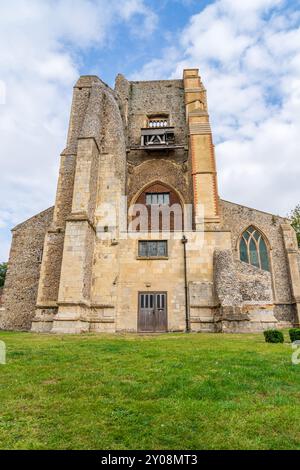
(253, 249)
(163, 208)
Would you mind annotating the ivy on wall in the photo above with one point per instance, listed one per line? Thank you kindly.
(3, 269)
(295, 217)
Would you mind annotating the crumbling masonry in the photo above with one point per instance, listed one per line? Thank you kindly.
(73, 269)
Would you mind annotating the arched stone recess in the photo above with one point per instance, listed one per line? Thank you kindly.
(158, 186)
(164, 171)
(237, 218)
(252, 234)
(160, 195)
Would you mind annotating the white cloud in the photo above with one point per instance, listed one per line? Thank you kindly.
(248, 53)
(41, 43)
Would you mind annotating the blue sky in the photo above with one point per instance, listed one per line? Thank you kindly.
(128, 52)
(248, 53)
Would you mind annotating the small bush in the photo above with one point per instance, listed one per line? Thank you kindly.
(273, 336)
(294, 334)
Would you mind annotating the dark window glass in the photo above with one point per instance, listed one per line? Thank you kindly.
(253, 249)
(153, 249)
(264, 255)
(243, 251)
(246, 235)
(256, 235)
(143, 249)
(253, 254)
(160, 301)
(162, 248)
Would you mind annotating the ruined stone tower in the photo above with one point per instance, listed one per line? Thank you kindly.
(100, 261)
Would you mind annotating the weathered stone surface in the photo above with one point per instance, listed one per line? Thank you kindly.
(225, 279)
(91, 274)
(163, 170)
(156, 97)
(21, 284)
(237, 218)
(245, 295)
(1, 294)
(255, 284)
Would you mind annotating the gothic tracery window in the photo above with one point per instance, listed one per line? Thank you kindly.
(253, 249)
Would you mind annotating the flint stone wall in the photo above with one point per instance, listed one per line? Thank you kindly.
(237, 218)
(21, 284)
(237, 283)
(244, 293)
(155, 97)
(171, 167)
(225, 279)
(255, 285)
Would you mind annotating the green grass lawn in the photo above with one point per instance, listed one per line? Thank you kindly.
(172, 391)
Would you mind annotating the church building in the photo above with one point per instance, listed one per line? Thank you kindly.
(138, 239)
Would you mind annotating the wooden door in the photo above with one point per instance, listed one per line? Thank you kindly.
(152, 315)
(161, 311)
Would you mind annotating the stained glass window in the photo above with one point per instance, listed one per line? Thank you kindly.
(244, 251)
(263, 255)
(253, 253)
(253, 249)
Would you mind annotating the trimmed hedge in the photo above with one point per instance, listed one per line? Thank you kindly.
(273, 336)
(294, 334)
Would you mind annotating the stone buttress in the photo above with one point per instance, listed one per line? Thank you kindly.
(78, 267)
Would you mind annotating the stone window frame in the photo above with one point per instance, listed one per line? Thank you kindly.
(251, 237)
(159, 257)
(168, 188)
(270, 255)
(150, 196)
(159, 117)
